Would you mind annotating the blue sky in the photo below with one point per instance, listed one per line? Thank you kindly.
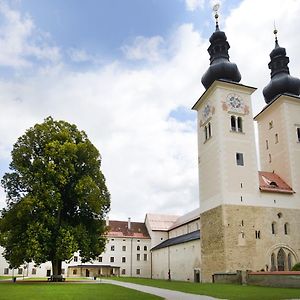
(127, 72)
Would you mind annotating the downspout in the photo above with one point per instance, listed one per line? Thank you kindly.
(131, 257)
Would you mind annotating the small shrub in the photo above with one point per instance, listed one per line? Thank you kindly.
(296, 267)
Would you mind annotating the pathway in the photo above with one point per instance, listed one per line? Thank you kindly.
(166, 294)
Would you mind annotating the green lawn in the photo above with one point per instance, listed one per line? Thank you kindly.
(222, 291)
(68, 291)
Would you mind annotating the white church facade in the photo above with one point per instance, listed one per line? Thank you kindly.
(248, 219)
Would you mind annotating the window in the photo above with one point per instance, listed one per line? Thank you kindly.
(145, 248)
(123, 272)
(100, 258)
(270, 124)
(33, 271)
(207, 131)
(112, 259)
(75, 258)
(267, 144)
(298, 134)
(138, 271)
(270, 158)
(138, 248)
(123, 248)
(112, 248)
(276, 138)
(274, 228)
(286, 228)
(257, 234)
(20, 271)
(138, 241)
(138, 257)
(123, 259)
(62, 271)
(6, 270)
(233, 123)
(74, 272)
(240, 124)
(145, 257)
(239, 159)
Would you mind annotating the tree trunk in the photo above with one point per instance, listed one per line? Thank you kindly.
(56, 270)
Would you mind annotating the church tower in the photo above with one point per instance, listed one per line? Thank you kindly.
(279, 122)
(228, 178)
(248, 219)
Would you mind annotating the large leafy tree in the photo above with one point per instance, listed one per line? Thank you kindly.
(56, 197)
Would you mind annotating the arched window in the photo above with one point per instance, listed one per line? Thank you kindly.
(138, 248)
(240, 124)
(281, 260)
(145, 248)
(274, 228)
(233, 123)
(273, 266)
(209, 130)
(290, 262)
(286, 228)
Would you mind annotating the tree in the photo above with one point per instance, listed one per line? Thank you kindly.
(57, 198)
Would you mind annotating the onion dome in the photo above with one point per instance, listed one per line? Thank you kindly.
(220, 66)
(281, 80)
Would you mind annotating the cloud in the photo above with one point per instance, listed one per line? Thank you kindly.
(131, 114)
(21, 42)
(193, 5)
(143, 48)
(82, 56)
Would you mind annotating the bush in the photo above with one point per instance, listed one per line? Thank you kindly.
(296, 267)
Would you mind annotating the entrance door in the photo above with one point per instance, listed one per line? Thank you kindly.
(196, 276)
(281, 260)
(87, 273)
(48, 273)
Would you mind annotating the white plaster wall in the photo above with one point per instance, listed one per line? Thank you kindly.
(182, 260)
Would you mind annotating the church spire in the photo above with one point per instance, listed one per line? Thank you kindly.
(281, 80)
(220, 66)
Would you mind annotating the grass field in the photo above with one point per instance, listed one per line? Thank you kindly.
(67, 291)
(222, 291)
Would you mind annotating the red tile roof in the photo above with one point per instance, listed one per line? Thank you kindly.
(120, 229)
(271, 182)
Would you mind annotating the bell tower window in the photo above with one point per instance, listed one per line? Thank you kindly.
(207, 132)
(239, 159)
(298, 134)
(236, 124)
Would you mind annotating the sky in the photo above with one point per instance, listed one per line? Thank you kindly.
(128, 73)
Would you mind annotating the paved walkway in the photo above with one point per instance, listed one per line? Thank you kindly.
(166, 294)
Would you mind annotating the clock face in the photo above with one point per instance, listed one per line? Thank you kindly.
(235, 101)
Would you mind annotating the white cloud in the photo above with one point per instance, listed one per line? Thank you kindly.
(20, 40)
(149, 159)
(81, 55)
(193, 5)
(143, 48)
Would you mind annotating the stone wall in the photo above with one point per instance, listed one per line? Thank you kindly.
(274, 279)
(229, 239)
(212, 243)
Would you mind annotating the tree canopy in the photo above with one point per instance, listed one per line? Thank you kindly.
(57, 198)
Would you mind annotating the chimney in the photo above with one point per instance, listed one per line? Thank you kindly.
(129, 223)
(107, 221)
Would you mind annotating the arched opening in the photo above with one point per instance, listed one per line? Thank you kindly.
(233, 123)
(274, 228)
(240, 124)
(286, 228)
(281, 260)
(273, 266)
